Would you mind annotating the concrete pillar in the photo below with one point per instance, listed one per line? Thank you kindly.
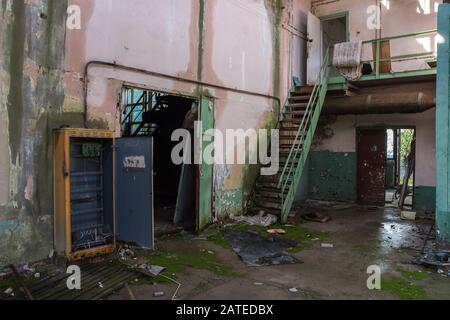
(443, 126)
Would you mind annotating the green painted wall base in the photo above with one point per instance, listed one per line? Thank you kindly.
(332, 176)
(424, 198)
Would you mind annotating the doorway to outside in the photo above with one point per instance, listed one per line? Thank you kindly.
(386, 165)
(156, 115)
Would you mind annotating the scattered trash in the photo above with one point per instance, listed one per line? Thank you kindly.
(210, 252)
(100, 285)
(258, 284)
(159, 294)
(261, 220)
(126, 254)
(37, 275)
(316, 217)
(293, 290)
(9, 292)
(276, 231)
(408, 215)
(155, 270)
(256, 250)
(21, 282)
(315, 239)
(51, 254)
(327, 245)
(440, 271)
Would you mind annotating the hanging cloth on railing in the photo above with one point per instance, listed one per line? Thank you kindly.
(347, 59)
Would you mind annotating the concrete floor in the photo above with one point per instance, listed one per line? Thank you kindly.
(362, 236)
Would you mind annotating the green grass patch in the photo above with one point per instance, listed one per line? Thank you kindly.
(414, 275)
(305, 237)
(176, 262)
(403, 289)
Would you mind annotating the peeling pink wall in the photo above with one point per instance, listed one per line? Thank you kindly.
(163, 36)
(398, 17)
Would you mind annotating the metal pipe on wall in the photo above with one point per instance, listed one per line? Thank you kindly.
(162, 75)
(380, 104)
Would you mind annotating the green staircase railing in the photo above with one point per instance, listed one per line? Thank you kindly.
(295, 162)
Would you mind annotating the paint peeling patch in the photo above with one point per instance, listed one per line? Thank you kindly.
(29, 188)
(229, 203)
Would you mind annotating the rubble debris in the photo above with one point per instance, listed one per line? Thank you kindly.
(155, 270)
(437, 260)
(276, 231)
(327, 245)
(9, 292)
(256, 250)
(21, 282)
(408, 215)
(316, 217)
(159, 294)
(261, 220)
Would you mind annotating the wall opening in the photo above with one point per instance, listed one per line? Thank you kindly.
(158, 115)
(334, 31)
(386, 166)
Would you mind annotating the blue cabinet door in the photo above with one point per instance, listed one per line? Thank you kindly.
(134, 190)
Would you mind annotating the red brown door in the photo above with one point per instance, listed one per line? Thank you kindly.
(372, 148)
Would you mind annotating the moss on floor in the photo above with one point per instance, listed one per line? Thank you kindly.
(414, 275)
(305, 237)
(403, 289)
(176, 262)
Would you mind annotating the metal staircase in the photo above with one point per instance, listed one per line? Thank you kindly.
(275, 194)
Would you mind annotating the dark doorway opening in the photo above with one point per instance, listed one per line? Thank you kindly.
(334, 31)
(386, 164)
(158, 114)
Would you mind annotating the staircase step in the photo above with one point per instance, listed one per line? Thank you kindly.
(297, 106)
(294, 113)
(303, 90)
(296, 121)
(267, 203)
(303, 98)
(256, 210)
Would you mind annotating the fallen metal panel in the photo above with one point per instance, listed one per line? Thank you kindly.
(256, 250)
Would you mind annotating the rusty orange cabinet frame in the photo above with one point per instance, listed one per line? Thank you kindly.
(62, 192)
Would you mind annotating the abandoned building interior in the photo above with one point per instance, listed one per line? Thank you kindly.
(92, 92)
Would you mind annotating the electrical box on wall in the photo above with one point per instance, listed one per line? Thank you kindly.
(84, 193)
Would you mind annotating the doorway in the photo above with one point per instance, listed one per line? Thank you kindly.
(334, 31)
(157, 115)
(400, 169)
(323, 34)
(386, 164)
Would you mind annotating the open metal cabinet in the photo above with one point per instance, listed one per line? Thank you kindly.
(102, 192)
(84, 192)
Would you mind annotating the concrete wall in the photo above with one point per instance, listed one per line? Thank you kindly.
(31, 98)
(341, 143)
(251, 45)
(397, 17)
